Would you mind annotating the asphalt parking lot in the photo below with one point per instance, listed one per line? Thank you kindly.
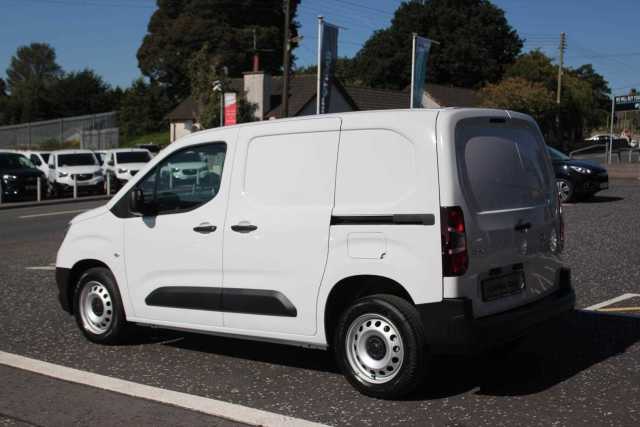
(581, 369)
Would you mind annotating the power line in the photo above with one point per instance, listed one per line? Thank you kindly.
(373, 9)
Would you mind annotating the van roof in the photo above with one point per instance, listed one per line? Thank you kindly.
(478, 111)
(74, 151)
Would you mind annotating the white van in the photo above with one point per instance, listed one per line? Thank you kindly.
(122, 164)
(40, 159)
(385, 236)
(67, 166)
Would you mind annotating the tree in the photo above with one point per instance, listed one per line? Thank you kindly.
(3, 88)
(30, 76)
(519, 94)
(82, 92)
(476, 44)
(142, 109)
(205, 70)
(345, 72)
(533, 73)
(179, 29)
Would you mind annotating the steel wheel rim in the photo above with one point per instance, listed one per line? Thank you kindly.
(564, 189)
(374, 348)
(96, 308)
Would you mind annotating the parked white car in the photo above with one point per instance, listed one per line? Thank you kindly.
(67, 166)
(40, 160)
(123, 163)
(386, 236)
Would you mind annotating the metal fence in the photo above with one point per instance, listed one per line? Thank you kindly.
(52, 133)
(100, 139)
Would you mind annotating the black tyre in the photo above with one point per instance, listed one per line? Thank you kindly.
(97, 307)
(380, 346)
(565, 190)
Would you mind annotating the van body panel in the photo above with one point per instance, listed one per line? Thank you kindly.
(283, 184)
(498, 171)
(387, 165)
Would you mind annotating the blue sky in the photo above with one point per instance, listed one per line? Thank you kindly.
(105, 34)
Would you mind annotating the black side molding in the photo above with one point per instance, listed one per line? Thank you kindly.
(398, 219)
(232, 300)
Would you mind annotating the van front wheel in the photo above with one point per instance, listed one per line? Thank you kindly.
(98, 307)
(379, 346)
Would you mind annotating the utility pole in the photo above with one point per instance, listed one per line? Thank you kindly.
(285, 59)
(563, 46)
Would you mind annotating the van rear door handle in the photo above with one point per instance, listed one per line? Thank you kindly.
(522, 226)
(205, 228)
(244, 228)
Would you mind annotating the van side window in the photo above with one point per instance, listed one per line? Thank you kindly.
(185, 180)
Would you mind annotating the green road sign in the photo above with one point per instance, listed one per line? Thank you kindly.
(627, 103)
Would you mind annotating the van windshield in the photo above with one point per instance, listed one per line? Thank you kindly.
(80, 159)
(133, 157)
(502, 167)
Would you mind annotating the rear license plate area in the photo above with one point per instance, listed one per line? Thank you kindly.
(604, 185)
(502, 286)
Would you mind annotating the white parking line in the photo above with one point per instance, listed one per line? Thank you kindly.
(52, 213)
(217, 408)
(42, 267)
(611, 301)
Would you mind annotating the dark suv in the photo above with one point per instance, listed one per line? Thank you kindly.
(18, 176)
(577, 179)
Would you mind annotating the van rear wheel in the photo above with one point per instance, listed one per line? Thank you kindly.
(379, 346)
(98, 307)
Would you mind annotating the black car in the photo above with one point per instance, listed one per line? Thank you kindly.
(18, 177)
(577, 179)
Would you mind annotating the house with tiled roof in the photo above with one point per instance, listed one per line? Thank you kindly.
(265, 91)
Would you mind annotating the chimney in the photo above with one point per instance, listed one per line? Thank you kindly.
(257, 88)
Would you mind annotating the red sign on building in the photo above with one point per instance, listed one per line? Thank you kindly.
(230, 109)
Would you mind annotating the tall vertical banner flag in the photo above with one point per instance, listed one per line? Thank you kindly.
(230, 108)
(421, 47)
(327, 56)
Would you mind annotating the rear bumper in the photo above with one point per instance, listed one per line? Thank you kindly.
(451, 328)
(62, 280)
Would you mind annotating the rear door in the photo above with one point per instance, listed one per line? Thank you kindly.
(509, 188)
(276, 235)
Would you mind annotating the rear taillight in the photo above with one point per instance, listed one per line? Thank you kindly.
(455, 258)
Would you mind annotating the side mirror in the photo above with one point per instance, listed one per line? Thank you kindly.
(137, 203)
(111, 163)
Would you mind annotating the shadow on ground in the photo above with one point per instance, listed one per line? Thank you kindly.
(602, 199)
(553, 353)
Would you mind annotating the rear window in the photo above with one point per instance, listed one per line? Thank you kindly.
(133, 157)
(81, 159)
(502, 167)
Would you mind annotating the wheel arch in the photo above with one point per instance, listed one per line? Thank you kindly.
(351, 288)
(74, 275)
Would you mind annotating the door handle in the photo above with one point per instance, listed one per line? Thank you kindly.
(243, 228)
(522, 226)
(205, 228)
